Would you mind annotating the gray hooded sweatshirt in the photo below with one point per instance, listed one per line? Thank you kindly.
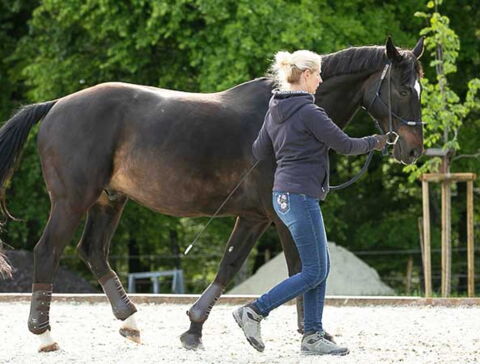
(299, 134)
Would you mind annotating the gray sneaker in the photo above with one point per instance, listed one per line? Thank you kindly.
(249, 322)
(317, 344)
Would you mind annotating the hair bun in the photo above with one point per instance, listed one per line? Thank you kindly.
(283, 58)
(288, 67)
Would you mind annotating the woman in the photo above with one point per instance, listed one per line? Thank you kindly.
(299, 134)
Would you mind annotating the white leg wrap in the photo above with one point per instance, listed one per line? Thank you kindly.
(46, 339)
(129, 329)
(130, 323)
(46, 342)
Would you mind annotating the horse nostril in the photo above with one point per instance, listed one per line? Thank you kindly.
(415, 153)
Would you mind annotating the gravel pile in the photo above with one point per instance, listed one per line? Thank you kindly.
(349, 276)
(22, 263)
(87, 333)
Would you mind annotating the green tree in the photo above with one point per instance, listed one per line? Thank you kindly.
(443, 111)
(207, 45)
(14, 15)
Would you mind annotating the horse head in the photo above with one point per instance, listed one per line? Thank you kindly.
(398, 110)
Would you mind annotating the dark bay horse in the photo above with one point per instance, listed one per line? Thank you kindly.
(181, 154)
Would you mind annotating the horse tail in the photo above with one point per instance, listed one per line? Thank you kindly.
(13, 136)
(5, 268)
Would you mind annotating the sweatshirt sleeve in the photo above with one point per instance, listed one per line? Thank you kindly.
(325, 130)
(262, 147)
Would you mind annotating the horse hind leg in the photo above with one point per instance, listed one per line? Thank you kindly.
(294, 265)
(58, 232)
(242, 239)
(93, 248)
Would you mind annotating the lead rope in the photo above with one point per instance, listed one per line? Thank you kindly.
(357, 176)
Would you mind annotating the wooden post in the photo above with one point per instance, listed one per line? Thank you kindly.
(422, 245)
(446, 239)
(446, 179)
(408, 283)
(470, 250)
(268, 255)
(427, 265)
(446, 229)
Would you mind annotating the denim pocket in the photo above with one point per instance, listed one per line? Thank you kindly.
(283, 202)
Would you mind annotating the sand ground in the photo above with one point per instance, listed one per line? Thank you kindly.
(88, 333)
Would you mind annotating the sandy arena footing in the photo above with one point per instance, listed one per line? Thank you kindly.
(406, 332)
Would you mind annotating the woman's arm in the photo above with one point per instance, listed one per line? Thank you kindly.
(262, 147)
(326, 131)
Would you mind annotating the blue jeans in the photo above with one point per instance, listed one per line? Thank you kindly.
(303, 217)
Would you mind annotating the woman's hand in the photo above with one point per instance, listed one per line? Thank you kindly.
(381, 141)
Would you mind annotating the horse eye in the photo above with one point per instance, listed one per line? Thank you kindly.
(404, 93)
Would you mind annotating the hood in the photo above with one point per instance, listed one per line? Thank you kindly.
(284, 104)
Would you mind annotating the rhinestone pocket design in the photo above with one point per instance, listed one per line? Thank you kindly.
(283, 202)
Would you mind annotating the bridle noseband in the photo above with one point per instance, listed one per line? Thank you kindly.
(391, 133)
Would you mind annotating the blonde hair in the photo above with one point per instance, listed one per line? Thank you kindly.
(288, 67)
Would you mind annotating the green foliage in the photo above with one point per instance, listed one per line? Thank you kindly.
(442, 109)
(14, 15)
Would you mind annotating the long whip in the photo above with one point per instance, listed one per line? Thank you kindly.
(220, 207)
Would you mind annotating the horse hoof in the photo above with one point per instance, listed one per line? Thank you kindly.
(191, 341)
(130, 334)
(48, 348)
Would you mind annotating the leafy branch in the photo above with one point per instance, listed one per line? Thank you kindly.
(442, 109)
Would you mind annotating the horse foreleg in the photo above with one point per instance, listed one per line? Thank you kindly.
(294, 264)
(57, 233)
(244, 235)
(102, 221)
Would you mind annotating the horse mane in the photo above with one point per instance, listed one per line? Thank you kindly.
(353, 60)
(367, 58)
(359, 59)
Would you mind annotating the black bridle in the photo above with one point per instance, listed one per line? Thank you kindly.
(392, 135)
(388, 105)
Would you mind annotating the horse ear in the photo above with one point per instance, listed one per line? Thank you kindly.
(418, 49)
(391, 51)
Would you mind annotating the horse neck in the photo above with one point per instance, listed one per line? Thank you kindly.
(340, 96)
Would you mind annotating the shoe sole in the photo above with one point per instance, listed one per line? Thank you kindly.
(311, 353)
(238, 320)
